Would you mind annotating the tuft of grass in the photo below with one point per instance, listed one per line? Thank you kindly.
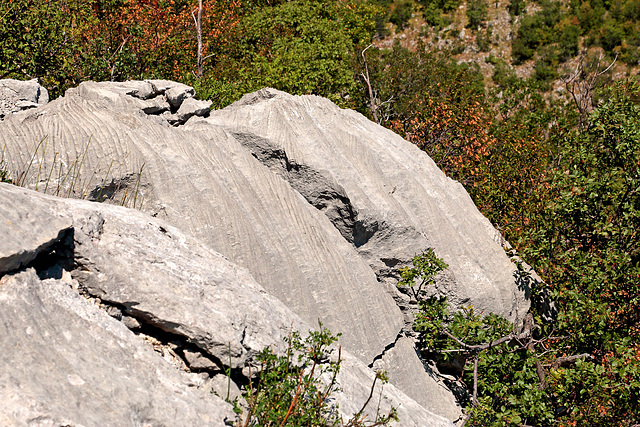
(64, 179)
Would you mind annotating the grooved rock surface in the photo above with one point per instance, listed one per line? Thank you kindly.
(64, 330)
(201, 179)
(403, 365)
(66, 362)
(319, 204)
(386, 196)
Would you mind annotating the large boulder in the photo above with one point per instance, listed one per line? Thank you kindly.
(385, 196)
(200, 178)
(318, 203)
(81, 320)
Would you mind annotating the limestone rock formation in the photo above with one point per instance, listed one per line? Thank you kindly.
(18, 95)
(81, 319)
(68, 363)
(385, 196)
(319, 204)
(200, 178)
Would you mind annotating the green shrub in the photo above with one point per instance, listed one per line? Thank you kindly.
(288, 390)
(516, 7)
(401, 12)
(483, 40)
(476, 13)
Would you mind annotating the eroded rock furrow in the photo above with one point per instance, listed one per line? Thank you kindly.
(139, 322)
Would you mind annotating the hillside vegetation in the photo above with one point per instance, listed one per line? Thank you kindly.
(533, 106)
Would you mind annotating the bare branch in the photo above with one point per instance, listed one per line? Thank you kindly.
(367, 80)
(198, 22)
(566, 360)
(475, 379)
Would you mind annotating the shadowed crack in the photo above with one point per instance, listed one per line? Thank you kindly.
(181, 351)
(317, 187)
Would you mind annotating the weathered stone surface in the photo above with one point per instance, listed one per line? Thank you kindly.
(151, 271)
(402, 364)
(156, 105)
(193, 107)
(387, 197)
(17, 95)
(66, 362)
(203, 180)
(352, 395)
(25, 235)
(178, 93)
(74, 363)
(316, 202)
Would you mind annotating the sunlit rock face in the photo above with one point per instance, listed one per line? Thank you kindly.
(318, 204)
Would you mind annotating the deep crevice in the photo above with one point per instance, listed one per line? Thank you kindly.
(317, 187)
(386, 349)
(60, 257)
(50, 263)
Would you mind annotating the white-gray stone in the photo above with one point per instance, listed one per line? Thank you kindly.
(156, 105)
(385, 195)
(178, 93)
(17, 95)
(192, 107)
(318, 203)
(72, 363)
(66, 362)
(200, 178)
(25, 235)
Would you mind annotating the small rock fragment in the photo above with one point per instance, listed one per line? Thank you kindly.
(192, 107)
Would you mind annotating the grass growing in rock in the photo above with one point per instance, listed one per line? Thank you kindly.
(63, 178)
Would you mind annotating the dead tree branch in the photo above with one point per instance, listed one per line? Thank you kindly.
(198, 22)
(581, 85)
(373, 102)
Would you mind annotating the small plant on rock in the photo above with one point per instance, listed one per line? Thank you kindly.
(295, 389)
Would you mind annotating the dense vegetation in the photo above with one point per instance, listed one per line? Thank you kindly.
(558, 172)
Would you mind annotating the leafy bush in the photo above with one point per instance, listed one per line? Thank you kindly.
(401, 12)
(516, 7)
(288, 390)
(476, 13)
(301, 47)
(483, 40)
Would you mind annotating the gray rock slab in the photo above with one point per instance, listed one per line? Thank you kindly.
(155, 273)
(156, 105)
(17, 95)
(386, 196)
(178, 93)
(66, 362)
(25, 234)
(25, 90)
(410, 414)
(200, 178)
(404, 367)
(192, 107)
(72, 363)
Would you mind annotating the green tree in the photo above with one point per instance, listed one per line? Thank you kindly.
(301, 47)
(476, 13)
(40, 38)
(587, 247)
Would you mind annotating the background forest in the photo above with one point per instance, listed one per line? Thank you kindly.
(534, 106)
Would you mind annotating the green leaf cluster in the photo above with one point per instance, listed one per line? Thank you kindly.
(302, 47)
(296, 389)
(289, 386)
